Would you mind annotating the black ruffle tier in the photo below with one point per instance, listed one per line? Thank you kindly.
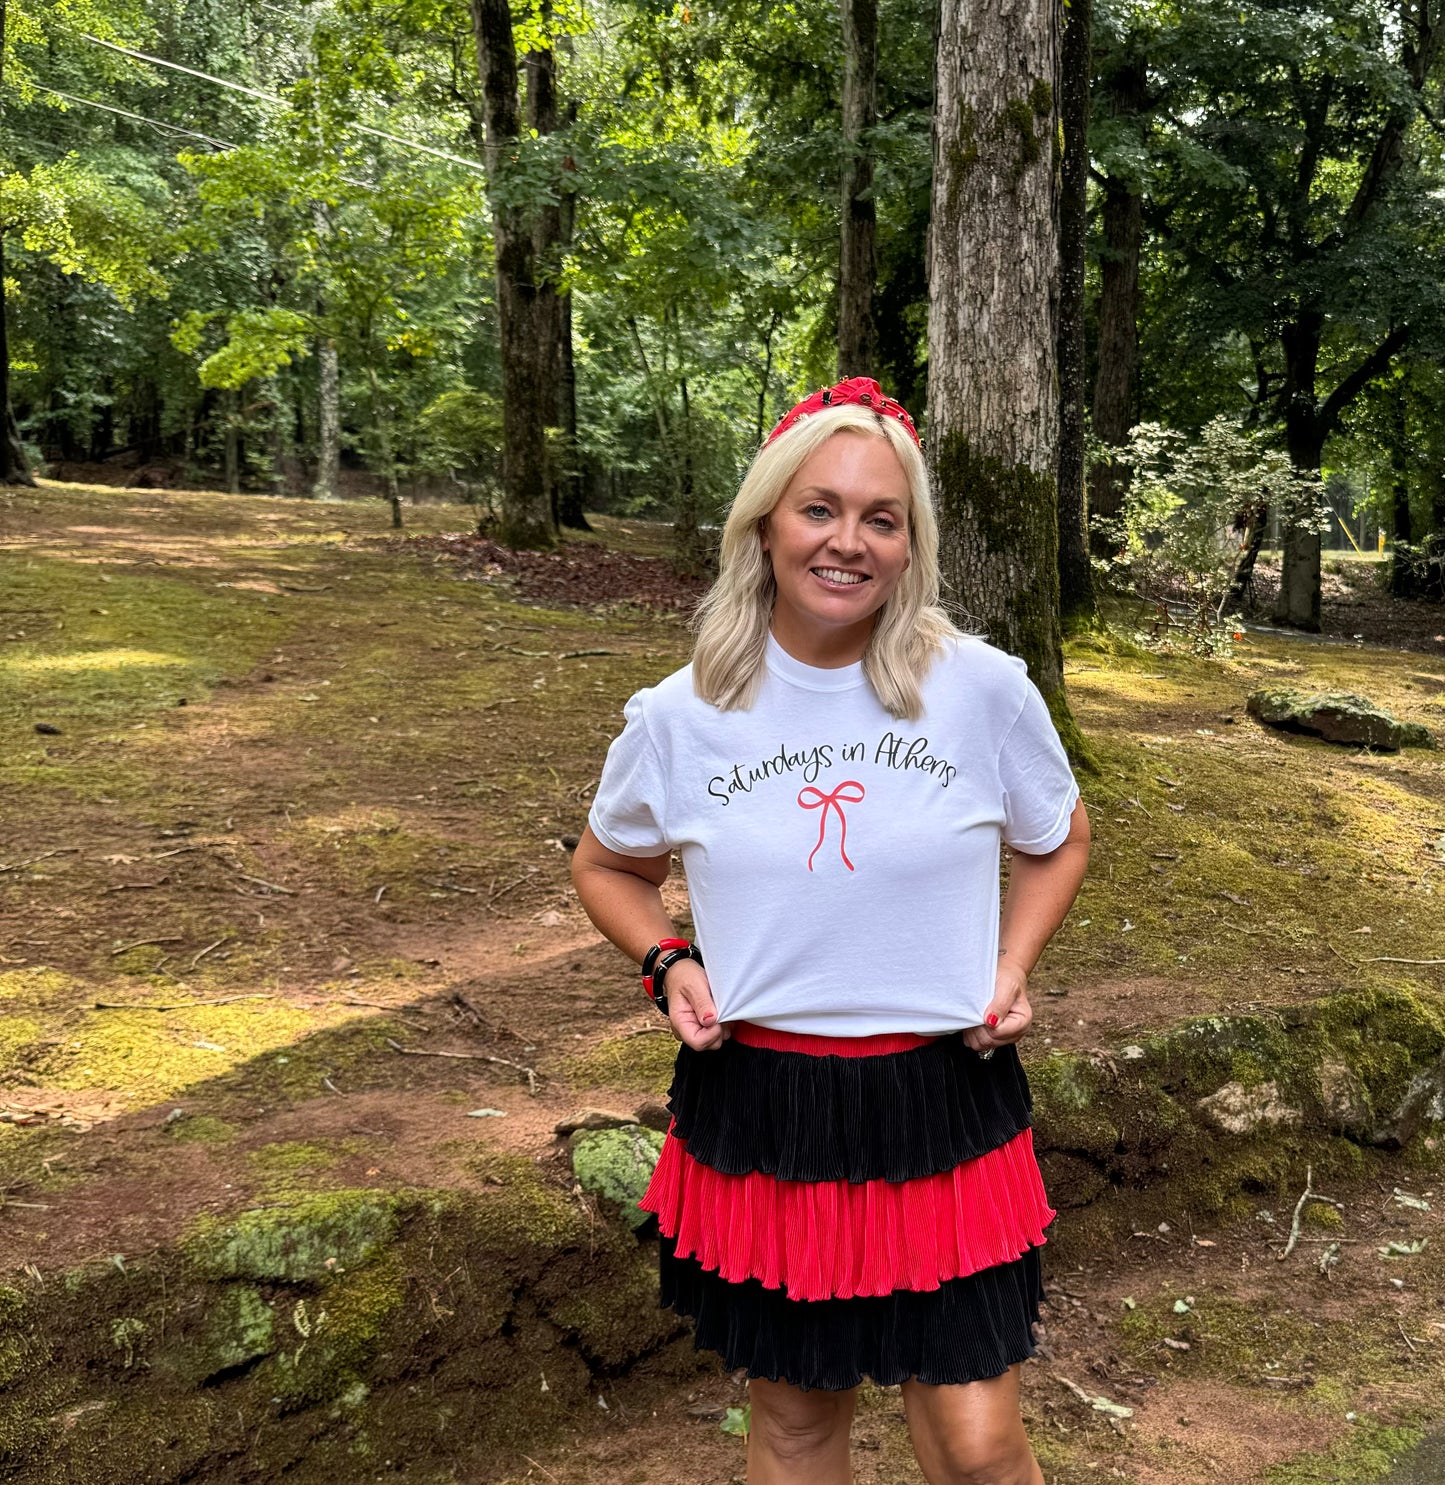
(893, 1117)
(966, 1330)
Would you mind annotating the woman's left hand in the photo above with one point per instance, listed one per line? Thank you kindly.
(1010, 1005)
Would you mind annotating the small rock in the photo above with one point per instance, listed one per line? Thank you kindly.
(487, 1114)
(48, 729)
(1337, 717)
(1131, 1052)
(653, 1115)
(1239, 1110)
(594, 1119)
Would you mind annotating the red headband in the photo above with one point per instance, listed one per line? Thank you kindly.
(862, 390)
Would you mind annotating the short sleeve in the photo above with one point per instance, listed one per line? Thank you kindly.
(630, 805)
(1039, 791)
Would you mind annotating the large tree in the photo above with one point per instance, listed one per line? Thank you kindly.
(525, 233)
(857, 335)
(1076, 585)
(993, 405)
(1122, 104)
(1297, 214)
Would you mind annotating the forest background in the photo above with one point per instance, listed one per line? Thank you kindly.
(270, 264)
(319, 1096)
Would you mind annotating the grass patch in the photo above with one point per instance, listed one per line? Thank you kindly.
(1368, 1452)
(637, 1064)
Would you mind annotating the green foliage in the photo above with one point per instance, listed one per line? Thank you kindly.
(85, 224)
(1176, 538)
(738, 1422)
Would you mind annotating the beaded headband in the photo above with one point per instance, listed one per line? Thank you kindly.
(862, 390)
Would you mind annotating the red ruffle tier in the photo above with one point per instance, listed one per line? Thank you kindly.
(841, 1240)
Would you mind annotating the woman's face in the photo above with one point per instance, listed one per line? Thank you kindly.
(838, 539)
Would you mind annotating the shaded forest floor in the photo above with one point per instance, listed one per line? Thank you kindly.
(283, 794)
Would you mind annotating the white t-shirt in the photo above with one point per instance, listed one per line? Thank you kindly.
(843, 866)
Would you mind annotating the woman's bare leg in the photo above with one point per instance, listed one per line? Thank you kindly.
(971, 1434)
(797, 1437)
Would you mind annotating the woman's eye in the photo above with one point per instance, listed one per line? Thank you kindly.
(817, 511)
(885, 523)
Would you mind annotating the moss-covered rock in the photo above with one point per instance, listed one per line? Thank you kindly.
(310, 1239)
(1337, 717)
(617, 1164)
(241, 1329)
(1223, 1108)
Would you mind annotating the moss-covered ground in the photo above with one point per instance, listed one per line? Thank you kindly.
(283, 811)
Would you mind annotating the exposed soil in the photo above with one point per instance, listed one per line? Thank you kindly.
(581, 573)
(311, 785)
(1357, 607)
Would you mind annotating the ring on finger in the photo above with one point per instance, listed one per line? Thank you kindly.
(984, 1056)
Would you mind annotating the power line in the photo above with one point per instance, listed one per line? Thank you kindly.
(125, 113)
(235, 87)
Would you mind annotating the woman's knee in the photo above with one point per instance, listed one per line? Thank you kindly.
(796, 1425)
(984, 1457)
(971, 1434)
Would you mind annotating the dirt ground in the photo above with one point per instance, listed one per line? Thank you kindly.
(285, 808)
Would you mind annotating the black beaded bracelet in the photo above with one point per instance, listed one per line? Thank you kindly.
(665, 963)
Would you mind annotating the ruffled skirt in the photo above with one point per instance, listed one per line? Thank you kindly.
(837, 1208)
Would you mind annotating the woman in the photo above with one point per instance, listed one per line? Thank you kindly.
(849, 1186)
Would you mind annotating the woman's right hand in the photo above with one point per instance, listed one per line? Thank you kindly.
(690, 1008)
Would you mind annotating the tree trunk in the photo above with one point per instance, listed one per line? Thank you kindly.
(768, 334)
(1077, 609)
(1298, 604)
(231, 412)
(328, 422)
(1402, 569)
(526, 302)
(1252, 526)
(686, 530)
(1116, 381)
(14, 466)
(993, 401)
(276, 437)
(571, 500)
(571, 510)
(857, 337)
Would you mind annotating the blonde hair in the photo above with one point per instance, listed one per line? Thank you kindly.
(732, 620)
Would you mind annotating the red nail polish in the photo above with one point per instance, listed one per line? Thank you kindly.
(992, 1019)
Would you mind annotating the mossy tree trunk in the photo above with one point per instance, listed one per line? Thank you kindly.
(1077, 609)
(857, 339)
(993, 273)
(526, 298)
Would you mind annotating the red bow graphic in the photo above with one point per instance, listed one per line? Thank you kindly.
(835, 801)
